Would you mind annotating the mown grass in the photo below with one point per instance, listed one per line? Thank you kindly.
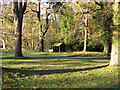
(71, 54)
(7, 51)
(57, 73)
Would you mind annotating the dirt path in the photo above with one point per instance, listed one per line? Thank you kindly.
(61, 57)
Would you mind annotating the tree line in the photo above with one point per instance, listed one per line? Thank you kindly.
(82, 26)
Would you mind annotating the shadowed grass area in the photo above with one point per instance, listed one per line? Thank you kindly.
(24, 58)
(45, 72)
(57, 73)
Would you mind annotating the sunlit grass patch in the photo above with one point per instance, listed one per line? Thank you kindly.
(89, 54)
(71, 54)
(57, 73)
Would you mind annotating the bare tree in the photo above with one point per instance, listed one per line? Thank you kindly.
(42, 32)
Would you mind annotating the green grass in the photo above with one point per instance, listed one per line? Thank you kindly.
(7, 51)
(71, 54)
(31, 72)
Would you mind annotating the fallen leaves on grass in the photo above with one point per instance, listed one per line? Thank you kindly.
(57, 83)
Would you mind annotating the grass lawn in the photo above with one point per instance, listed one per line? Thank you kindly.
(57, 73)
(71, 54)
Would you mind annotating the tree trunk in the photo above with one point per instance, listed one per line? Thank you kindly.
(106, 23)
(18, 36)
(115, 55)
(42, 45)
(85, 41)
(86, 33)
(18, 18)
(106, 49)
(44, 32)
(107, 42)
(32, 44)
(41, 41)
(32, 39)
(3, 41)
(41, 31)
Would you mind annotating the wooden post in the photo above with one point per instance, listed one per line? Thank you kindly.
(59, 49)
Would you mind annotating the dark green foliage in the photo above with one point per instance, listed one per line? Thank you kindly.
(56, 6)
(91, 46)
(104, 21)
(66, 19)
(76, 45)
(50, 44)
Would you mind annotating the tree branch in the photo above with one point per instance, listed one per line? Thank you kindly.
(15, 7)
(20, 5)
(92, 10)
(89, 10)
(39, 7)
(24, 7)
(33, 10)
(26, 12)
(99, 4)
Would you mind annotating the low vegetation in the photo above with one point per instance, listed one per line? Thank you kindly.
(31, 72)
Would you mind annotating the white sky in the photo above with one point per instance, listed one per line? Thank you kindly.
(64, 0)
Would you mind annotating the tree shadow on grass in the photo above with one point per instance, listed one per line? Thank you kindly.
(38, 56)
(54, 57)
(94, 56)
(23, 58)
(47, 72)
(82, 55)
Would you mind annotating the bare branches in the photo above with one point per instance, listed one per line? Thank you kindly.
(20, 3)
(18, 8)
(36, 10)
(39, 7)
(99, 4)
(26, 12)
(24, 7)
(15, 8)
(33, 10)
(91, 10)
